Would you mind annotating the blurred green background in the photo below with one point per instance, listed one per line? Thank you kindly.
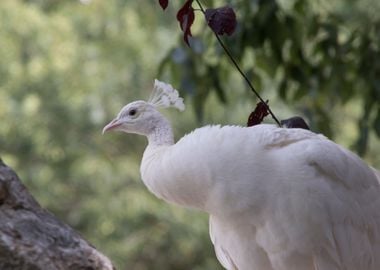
(67, 67)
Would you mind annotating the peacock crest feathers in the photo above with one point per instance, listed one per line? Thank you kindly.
(165, 96)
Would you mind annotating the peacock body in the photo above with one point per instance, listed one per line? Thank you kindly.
(278, 199)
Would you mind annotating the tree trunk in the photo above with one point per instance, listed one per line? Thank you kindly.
(32, 238)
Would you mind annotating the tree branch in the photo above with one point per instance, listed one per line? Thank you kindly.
(32, 238)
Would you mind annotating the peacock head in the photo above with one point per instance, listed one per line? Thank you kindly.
(140, 116)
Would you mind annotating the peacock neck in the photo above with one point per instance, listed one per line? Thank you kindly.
(161, 133)
(162, 171)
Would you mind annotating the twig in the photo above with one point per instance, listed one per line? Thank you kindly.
(239, 69)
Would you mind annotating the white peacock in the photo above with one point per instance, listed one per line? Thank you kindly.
(278, 198)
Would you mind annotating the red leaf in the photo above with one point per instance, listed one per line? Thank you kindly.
(164, 3)
(221, 20)
(257, 116)
(185, 17)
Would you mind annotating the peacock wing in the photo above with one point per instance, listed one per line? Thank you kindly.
(327, 212)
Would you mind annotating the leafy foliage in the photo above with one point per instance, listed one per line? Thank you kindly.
(316, 57)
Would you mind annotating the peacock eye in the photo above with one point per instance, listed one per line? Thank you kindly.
(132, 112)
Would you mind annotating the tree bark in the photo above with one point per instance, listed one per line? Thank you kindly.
(32, 238)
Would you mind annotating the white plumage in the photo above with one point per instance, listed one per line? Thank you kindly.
(278, 199)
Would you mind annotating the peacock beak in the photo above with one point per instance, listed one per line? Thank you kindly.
(112, 125)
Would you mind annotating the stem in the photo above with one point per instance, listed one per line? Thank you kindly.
(239, 69)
